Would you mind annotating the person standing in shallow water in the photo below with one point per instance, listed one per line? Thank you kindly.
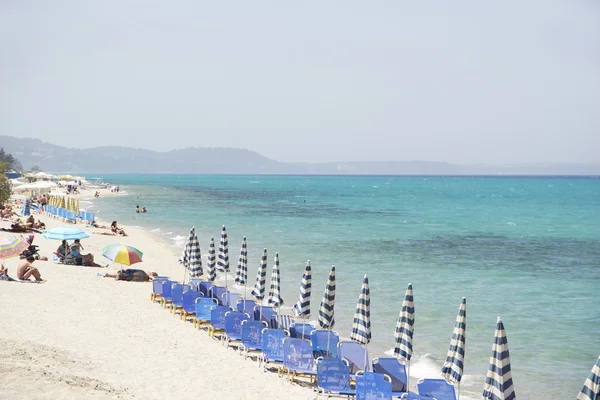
(137, 209)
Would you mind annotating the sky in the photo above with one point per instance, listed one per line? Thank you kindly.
(469, 82)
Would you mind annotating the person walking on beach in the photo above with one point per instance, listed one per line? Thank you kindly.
(26, 270)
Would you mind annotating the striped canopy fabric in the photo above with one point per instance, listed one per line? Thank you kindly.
(211, 273)
(405, 327)
(452, 370)
(122, 254)
(11, 245)
(275, 290)
(191, 257)
(326, 309)
(261, 277)
(241, 273)
(591, 387)
(65, 233)
(223, 262)
(498, 382)
(361, 326)
(302, 307)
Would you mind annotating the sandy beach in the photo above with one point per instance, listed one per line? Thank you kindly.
(79, 335)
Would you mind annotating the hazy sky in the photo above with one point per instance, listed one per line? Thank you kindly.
(464, 82)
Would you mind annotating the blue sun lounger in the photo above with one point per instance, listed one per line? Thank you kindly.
(203, 308)
(272, 347)
(217, 320)
(372, 385)
(393, 368)
(356, 356)
(267, 313)
(252, 336)
(157, 288)
(189, 304)
(437, 388)
(333, 377)
(233, 326)
(298, 358)
(167, 293)
(246, 306)
(177, 296)
(324, 343)
(296, 330)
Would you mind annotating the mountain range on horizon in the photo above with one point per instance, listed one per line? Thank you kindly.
(115, 159)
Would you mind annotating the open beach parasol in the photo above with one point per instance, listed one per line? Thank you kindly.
(11, 245)
(452, 370)
(65, 233)
(122, 254)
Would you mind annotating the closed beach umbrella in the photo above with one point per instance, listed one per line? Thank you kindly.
(122, 254)
(452, 370)
(11, 245)
(192, 257)
(361, 326)
(326, 309)
(26, 211)
(65, 233)
(498, 382)
(211, 272)
(261, 279)
(275, 290)
(302, 307)
(241, 273)
(591, 387)
(223, 260)
(405, 330)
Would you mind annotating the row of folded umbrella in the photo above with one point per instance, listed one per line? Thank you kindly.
(498, 383)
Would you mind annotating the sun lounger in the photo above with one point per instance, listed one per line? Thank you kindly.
(189, 304)
(324, 343)
(230, 299)
(157, 288)
(233, 326)
(252, 336)
(216, 292)
(204, 288)
(372, 385)
(356, 356)
(203, 308)
(167, 293)
(297, 330)
(217, 320)
(333, 377)
(177, 296)
(246, 306)
(437, 388)
(272, 347)
(393, 368)
(279, 321)
(267, 313)
(298, 358)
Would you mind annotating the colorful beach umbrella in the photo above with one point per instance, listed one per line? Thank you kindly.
(498, 382)
(452, 370)
(65, 233)
(591, 387)
(275, 290)
(261, 278)
(302, 307)
(192, 257)
(405, 330)
(241, 273)
(326, 308)
(361, 326)
(11, 245)
(211, 272)
(122, 254)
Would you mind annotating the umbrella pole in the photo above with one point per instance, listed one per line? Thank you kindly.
(244, 297)
(328, 340)
(458, 387)
(226, 295)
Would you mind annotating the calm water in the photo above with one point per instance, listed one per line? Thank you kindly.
(525, 249)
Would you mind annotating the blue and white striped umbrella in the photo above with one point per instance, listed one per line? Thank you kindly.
(261, 278)
(275, 291)
(26, 209)
(241, 273)
(223, 262)
(452, 370)
(211, 272)
(302, 307)
(361, 326)
(591, 387)
(326, 309)
(405, 327)
(191, 257)
(498, 382)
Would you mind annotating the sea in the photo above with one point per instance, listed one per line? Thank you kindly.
(526, 249)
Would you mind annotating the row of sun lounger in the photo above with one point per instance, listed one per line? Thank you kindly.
(292, 349)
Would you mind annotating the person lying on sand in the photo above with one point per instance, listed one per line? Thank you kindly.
(132, 275)
(26, 270)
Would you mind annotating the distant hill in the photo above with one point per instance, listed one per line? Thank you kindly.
(113, 159)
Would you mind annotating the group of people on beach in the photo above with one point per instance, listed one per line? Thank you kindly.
(72, 254)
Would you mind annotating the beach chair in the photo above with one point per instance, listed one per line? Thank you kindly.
(204, 288)
(177, 296)
(272, 347)
(279, 321)
(189, 304)
(246, 306)
(157, 288)
(233, 326)
(301, 330)
(203, 307)
(70, 216)
(333, 377)
(194, 283)
(267, 313)
(324, 343)
(372, 385)
(355, 354)
(437, 388)
(167, 293)
(217, 320)
(298, 359)
(393, 368)
(252, 336)
(230, 299)
(216, 292)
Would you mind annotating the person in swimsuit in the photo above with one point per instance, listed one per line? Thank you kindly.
(115, 229)
(26, 270)
(132, 275)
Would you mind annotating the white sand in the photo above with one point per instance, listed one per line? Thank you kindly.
(80, 336)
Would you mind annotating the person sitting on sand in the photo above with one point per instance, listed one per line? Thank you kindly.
(63, 250)
(26, 270)
(31, 223)
(115, 229)
(132, 275)
(87, 260)
(97, 194)
(4, 274)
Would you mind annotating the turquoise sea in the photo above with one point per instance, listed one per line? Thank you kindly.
(526, 249)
